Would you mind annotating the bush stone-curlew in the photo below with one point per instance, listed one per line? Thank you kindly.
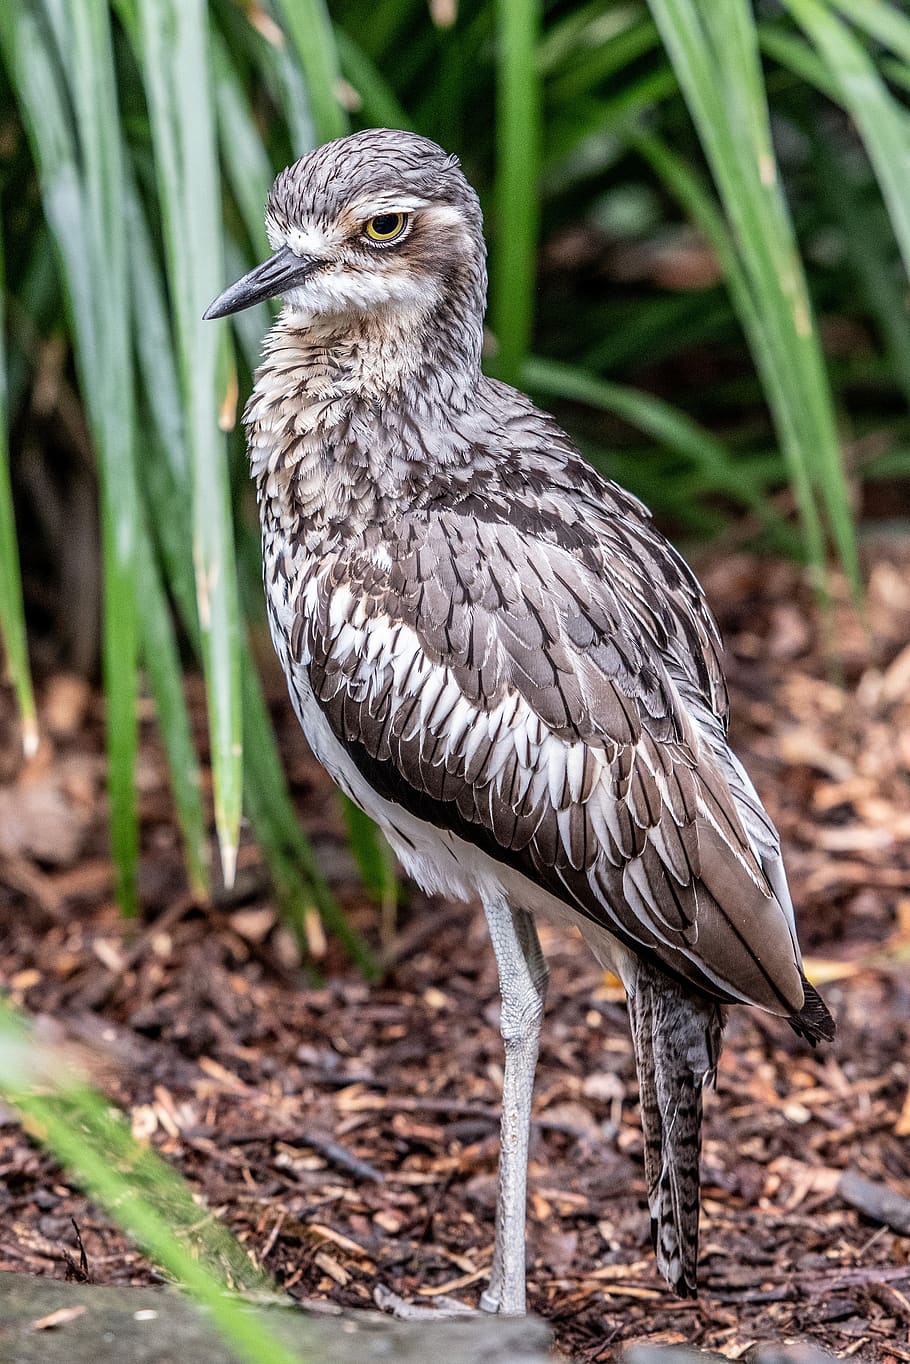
(496, 655)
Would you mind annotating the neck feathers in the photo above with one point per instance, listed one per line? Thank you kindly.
(348, 423)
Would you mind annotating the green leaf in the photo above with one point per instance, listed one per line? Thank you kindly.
(154, 1205)
(516, 191)
(880, 20)
(278, 829)
(870, 249)
(883, 124)
(656, 418)
(12, 613)
(82, 187)
(375, 862)
(714, 51)
(162, 661)
(174, 55)
(307, 22)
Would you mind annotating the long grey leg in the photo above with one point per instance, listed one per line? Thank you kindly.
(523, 986)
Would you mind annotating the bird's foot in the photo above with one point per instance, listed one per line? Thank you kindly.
(435, 1309)
(496, 1299)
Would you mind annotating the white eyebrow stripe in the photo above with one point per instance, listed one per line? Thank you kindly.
(445, 214)
(388, 203)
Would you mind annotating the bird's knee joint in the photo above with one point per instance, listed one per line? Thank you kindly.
(521, 1022)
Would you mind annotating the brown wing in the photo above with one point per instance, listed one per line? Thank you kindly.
(556, 699)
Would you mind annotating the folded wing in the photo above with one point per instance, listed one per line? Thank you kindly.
(556, 699)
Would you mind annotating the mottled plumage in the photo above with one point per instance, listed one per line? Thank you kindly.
(495, 653)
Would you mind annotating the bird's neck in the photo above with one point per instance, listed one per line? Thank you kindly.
(348, 422)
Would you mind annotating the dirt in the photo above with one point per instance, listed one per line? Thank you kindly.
(347, 1132)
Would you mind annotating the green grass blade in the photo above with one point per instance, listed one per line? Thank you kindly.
(242, 150)
(108, 393)
(667, 424)
(795, 55)
(881, 21)
(514, 264)
(154, 344)
(162, 662)
(584, 28)
(589, 136)
(280, 72)
(176, 74)
(661, 327)
(591, 66)
(12, 612)
(869, 246)
(35, 298)
(82, 192)
(883, 124)
(140, 1192)
(310, 29)
(714, 51)
(375, 862)
(300, 888)
(280, 834)
(381, 107)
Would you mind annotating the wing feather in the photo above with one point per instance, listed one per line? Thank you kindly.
(563, 710)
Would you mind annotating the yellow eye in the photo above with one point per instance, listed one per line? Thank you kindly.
(385, 227)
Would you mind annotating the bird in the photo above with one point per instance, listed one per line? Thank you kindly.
(498, 657)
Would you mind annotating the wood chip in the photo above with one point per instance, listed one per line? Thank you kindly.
(325, 1233)
(62, 1317)
(330, 1266)
(452, 1285)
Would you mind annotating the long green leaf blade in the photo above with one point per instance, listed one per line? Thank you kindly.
(375, 862)
(152, 1203)
(300, 888)
(883, 124)
(652, 415)
(881, 21)
(310, 29)
(517, 178)
(714, 50)
(81, 179)
(176, 71)
(162, 662)
(112, 411)
(12, 612)
(280, 833)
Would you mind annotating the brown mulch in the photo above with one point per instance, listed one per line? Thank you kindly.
(347, 1133)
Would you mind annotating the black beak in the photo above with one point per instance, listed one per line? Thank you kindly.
(279, 273)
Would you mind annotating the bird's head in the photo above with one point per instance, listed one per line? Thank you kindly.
(380, 226)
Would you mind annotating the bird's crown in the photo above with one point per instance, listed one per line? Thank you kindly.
(372, 169)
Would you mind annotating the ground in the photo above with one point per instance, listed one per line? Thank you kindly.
(348, 1132)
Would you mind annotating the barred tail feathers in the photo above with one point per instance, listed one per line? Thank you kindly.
(677, 1038)
(813, 1021)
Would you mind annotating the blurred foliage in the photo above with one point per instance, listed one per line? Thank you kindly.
(152, 1203)
(675, 191)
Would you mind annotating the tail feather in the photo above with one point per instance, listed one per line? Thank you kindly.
(813, 1022)
(677, 1038)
